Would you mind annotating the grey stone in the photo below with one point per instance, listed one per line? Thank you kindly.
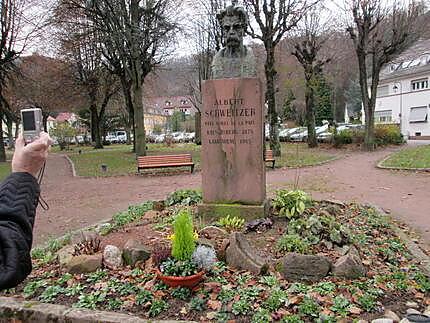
(135, 251)
(411, 304)
(391, 315)
(112, 257)
(241, 255)
(84, 264)
(81, 236)
(35, 312)
(212, 232)
(383, 320)
(412, 311)
(349, 266)
(296, 266)
(65, 254)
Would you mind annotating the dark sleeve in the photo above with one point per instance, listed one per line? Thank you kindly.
(19, 195)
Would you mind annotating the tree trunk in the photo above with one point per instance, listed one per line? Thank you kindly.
(198, 126)
(140, 125)
(2, 150)
(9, 124)
(310, 112)
(129, 106)
(369, 135)
(270, 72)
(96, 128)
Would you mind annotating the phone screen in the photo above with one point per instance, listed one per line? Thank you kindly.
(28, 121)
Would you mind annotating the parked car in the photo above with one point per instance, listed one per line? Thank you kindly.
(121, 137)
(190, 136)
(160, 138)
(285, 134)
(303, 136)
(111, 139)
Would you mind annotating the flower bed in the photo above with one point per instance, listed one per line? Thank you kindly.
(392, 278)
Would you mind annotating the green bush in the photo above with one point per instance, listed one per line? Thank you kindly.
(231, 223)
(388, 135)
(184, 197)
(291, 204)
(292, 243)
(343, 137)
(183, 241)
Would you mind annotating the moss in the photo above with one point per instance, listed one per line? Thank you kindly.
(213, 212)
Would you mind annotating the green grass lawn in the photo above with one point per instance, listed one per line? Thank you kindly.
(417, 157)
(4, 170)
(299, 155)
(121, 161)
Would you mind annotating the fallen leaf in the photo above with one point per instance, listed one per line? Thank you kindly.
(211, 315)
(184, 311)
(294, 300)
(355, 310)
(214, 305)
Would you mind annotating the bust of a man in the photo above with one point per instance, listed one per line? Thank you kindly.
(234, 60)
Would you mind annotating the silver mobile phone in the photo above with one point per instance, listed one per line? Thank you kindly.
(32, 123)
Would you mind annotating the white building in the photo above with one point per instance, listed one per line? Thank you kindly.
(403, 95)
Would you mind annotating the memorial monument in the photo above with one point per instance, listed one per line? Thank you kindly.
(233, 168)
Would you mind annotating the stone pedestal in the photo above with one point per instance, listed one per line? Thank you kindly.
(233, 169)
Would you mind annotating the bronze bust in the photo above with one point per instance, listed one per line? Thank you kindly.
(234, 60)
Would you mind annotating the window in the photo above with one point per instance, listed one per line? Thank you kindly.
(382, 91)
(168, 103)
(385, 116)
(418, 114)
(419, 84)
(184, 101)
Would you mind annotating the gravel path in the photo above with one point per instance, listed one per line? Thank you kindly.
(79, 202)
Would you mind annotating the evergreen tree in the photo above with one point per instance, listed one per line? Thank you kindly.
(323, 109)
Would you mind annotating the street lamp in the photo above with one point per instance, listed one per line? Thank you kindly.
(396, 87)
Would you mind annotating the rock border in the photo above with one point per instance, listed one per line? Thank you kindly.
(72, 165)
(409, 169)
(31, 311)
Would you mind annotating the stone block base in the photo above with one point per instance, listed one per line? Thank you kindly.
(212, 212)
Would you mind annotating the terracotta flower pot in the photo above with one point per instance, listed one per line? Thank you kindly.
(177, 281)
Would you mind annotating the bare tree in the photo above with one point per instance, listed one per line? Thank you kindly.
(274, 18)
(82, 48)
(207, 39)
(380, 31)
(135, 35)
(307, 48)
(19, 26)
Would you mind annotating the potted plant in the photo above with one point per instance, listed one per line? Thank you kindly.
(185, 264)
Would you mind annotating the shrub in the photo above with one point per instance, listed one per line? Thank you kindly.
(184, 197)
(388, 135)
(231, 223)
(292, 243)
(343, 137)
(183, 242)
(291, 203)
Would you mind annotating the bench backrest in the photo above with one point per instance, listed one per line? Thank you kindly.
(164, 159)
(269, 154)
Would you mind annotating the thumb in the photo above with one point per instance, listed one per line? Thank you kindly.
(20, 142)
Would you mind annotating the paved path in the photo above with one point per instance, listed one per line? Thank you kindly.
(79, 202)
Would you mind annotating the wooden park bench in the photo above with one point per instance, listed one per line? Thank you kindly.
(269, 158)
(162, 161)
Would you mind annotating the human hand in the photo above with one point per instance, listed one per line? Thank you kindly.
(30, 158)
